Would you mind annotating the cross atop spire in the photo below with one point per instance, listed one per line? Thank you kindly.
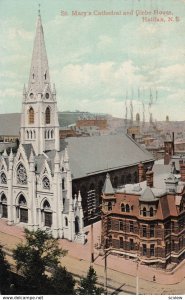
(39, 72)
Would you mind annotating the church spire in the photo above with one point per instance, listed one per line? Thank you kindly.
(39, 71)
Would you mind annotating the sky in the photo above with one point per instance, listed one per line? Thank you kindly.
(99, 63)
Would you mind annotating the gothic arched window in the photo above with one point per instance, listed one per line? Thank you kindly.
(31, 115)
(66, 221)
(47, 214)
(21, 174)
(46, 183)
(48, 115)
(3, 178)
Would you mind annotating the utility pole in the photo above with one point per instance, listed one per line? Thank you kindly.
(92, 244)
(137, 277)
(105, 270)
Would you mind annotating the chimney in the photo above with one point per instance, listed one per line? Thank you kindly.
(149, 177)
(182, 169)
(141, 172)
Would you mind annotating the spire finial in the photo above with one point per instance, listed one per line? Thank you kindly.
(39, 10)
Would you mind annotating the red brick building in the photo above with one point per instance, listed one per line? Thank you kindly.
(146, 220)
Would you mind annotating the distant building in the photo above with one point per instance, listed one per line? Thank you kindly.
(146, 221)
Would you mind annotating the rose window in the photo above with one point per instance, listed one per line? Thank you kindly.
(46, 183)
(21, 174)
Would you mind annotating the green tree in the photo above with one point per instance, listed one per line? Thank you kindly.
(4, 272)
(62, 282)
(34, 258)
(88, 284)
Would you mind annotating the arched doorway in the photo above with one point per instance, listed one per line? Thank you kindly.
(22, 210)
(3, 203)
(47, 214)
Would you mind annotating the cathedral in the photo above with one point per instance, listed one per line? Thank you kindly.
(36, 182)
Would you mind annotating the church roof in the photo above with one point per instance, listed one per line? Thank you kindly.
(97, 154)
(107, 188)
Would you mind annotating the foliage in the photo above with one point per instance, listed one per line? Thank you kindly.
(62, 282)
(88, 284)
(34, 258)
(4, 272)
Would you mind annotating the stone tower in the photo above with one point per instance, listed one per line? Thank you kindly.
(39, 119)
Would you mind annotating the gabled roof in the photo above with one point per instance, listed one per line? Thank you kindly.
(107, 188)
(148, 195)
(97, 154)
(28, 148)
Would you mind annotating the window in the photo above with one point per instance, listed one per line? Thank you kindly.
(63, 183)
(131, 226)
(109, 205)
(152, 228)
(66, 221)
(127, 208)
(144, 211)
(110, 241)
(144, 231)
(151, 211)
(3, 178)
(144, 250)
(122, 179)
(122, 207)
(152, 250)
(121, 242)
(121, 225)
(115, 182)
(48, 116)
(31, 115)
(172, 225)
(173, 245)
(109, 224)
(131, 244)
(45, 183)
(21, 174)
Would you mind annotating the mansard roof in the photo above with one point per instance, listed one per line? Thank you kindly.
(92, 155)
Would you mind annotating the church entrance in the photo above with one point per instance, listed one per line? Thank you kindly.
(23, 215)
(77, 225)
(47, 219)
(3, 208)
(22, 210)
(4, 211)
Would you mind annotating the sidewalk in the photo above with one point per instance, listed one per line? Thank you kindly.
(120, 270)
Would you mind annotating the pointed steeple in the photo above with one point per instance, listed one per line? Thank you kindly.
(39, 71)
(107, 188)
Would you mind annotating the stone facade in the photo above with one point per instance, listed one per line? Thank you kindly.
(36, 181)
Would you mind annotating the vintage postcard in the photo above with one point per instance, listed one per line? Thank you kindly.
(92, 147)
